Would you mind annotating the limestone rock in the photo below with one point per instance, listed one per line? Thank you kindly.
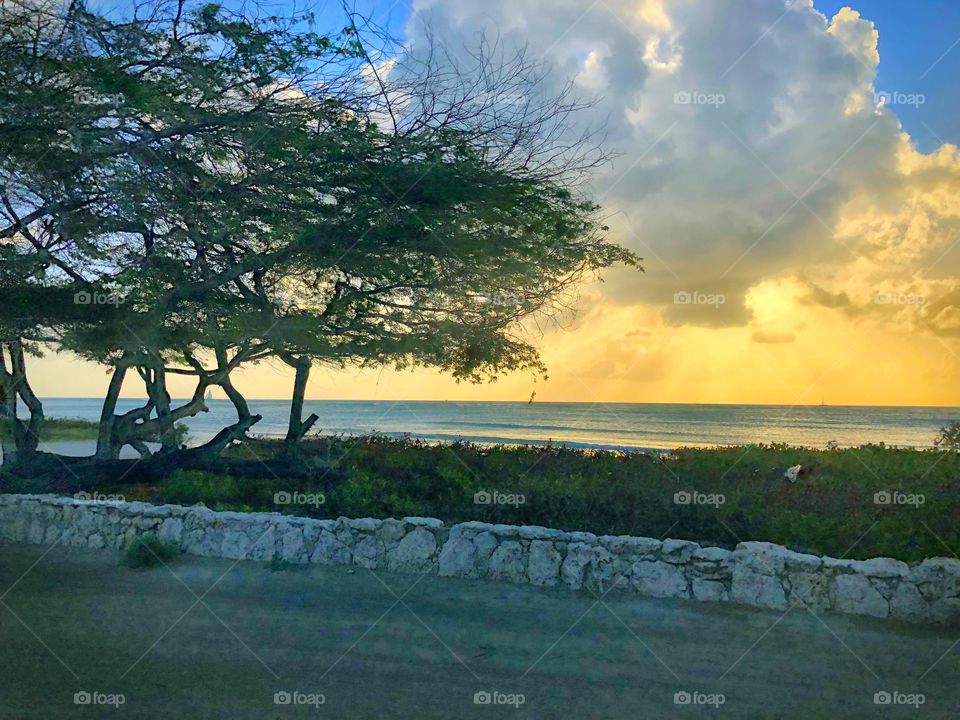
(712, 554)
(424, 522)
(908, 604)
(391, 531)
(536, 532)
(809, 589)
(678, 551)
(366, 525)
(414, 553)
(641, 547)
(330, 551)
(507, 562)
(235, 545)
(171, 531)
(485, 543)
(367, 553)
(854, 594)
(757, 589)
(708, 590)
(544, 565)
(881, 567)
(761, 557)
(802, 561)
(458, 557)
(658, 579)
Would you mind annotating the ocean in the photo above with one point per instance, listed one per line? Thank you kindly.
(640, 426)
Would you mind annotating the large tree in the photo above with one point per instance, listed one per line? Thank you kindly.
(232, 189)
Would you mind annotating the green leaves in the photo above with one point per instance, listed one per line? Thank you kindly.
(236, 183)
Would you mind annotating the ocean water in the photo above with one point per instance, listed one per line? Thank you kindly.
(597, 425)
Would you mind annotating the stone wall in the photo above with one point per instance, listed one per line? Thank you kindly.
(756, 573)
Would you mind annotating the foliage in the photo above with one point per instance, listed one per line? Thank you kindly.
(949, 437)
(148, 551)
(191, 189)
(830, 510)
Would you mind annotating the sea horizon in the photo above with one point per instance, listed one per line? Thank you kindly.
(598, 425)
(185, 398)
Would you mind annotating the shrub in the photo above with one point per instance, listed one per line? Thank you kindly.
(949, 437)
(831, 509)
(149, 551)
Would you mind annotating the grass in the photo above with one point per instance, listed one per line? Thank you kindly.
(149, 551)
(64, 429)
(830, 509)
(59, 429)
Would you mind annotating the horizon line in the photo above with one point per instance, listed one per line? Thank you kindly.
(540, 402)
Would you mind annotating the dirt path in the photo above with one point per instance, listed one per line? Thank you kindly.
(345, 635)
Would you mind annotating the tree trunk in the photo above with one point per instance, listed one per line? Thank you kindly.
(298, 427)
(26, 436)
(31, 433)
(8, 416)
(108, 419)
(245, 420)
(157, 387)
(168, 438)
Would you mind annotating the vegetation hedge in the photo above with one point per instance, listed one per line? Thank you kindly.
(829, 510)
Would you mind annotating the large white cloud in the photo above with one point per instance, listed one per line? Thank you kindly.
(751, 147)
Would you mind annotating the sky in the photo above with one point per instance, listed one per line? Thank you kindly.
(788, 170)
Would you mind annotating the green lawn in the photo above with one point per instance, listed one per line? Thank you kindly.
(743, 493)
(59, 429)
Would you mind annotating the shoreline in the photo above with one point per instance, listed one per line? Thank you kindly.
(627, 427)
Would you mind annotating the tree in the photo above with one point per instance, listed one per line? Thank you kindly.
(241, 189)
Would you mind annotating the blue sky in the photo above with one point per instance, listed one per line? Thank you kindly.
(919, 53)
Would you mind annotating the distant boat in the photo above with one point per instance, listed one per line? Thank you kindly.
(208, 396)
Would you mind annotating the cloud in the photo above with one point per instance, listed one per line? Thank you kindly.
(750, 145)
(754, 163)
(817, 295)
(772, 337)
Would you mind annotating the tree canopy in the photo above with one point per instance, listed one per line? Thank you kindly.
(188, 190)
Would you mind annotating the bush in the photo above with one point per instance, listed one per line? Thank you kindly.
(830, 510)
(149, 551)
(949, 437)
